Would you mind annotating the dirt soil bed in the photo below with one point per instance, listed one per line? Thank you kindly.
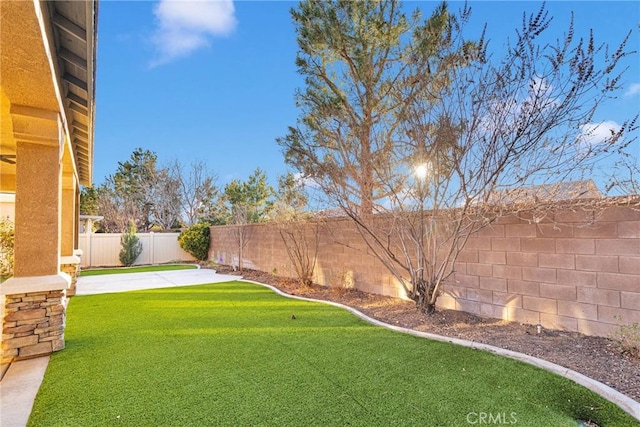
(596, 357)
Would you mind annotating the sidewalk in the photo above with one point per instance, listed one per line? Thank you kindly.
(20, 384)
(111, 283)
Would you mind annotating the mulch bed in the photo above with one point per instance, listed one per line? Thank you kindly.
(596, 357)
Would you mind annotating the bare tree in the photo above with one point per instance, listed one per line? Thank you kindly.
(248, 202)
(166, 212)
(299, 234)
(110, 204)
(483, 138)
(198, 190)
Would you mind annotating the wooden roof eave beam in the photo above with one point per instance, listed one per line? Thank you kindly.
(70, 27)
(78, 100)
(73, 59)
(78, 109)
(73, 80)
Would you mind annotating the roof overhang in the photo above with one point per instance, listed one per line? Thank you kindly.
(48, 57)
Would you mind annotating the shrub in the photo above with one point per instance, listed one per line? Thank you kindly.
(628, 339)
(195, 240)
(7, 231)
(131, 246)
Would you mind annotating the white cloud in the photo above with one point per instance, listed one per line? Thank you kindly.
(305, 180)
(634, 89)
(596, 133)
(184, 26)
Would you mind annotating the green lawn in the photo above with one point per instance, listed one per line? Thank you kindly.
(230, 354)
(141, 269)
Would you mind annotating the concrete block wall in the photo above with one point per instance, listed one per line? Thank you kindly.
(579, 272)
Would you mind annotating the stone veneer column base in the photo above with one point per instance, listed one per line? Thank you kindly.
(34, 317)
(71, 266)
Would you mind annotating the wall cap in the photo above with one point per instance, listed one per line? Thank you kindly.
(71, 259)
(24, 285)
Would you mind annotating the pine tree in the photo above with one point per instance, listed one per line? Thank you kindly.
(131, 246)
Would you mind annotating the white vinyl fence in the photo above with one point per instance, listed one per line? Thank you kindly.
(103, 249)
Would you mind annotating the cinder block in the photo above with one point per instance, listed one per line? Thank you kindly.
(618, 316)
(599, 296)
(512, 219)
(507, 299)
(578, 216)
(468, 255)
(542, 305)
(538, 245)
(505, 244)
(520, 230)
(599, 230)
(629, 247)
(595, 328)
(522, 287)
(630, 300)
(538, 274)
(619, 213)
(621, 282)
(578, 310)
(492, 230)
(576, 246)
(507, 271)
(629, 265)
(629, 230)
(563, 323)
(466, 280)
(555, 291)
(483, 270)
(479, 243)
(492, 311)
(446, 302)
(564, 261)
(597, 263)
(522, 259)
(492, 257)
(494, 284)
(524, 316)
(480, 295)
(461, 268)
(554, 230)
(468, 306)
(456, 291)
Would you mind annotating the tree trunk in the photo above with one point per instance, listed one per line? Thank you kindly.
(422, 297)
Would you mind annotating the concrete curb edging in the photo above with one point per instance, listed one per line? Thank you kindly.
(627, 404)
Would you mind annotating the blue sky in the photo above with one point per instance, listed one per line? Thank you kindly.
(215, 80)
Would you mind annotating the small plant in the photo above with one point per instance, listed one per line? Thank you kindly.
(7, 231)
(628, 339)
(195, 240)
(343, 280)
(342, 283)
(131, 246)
